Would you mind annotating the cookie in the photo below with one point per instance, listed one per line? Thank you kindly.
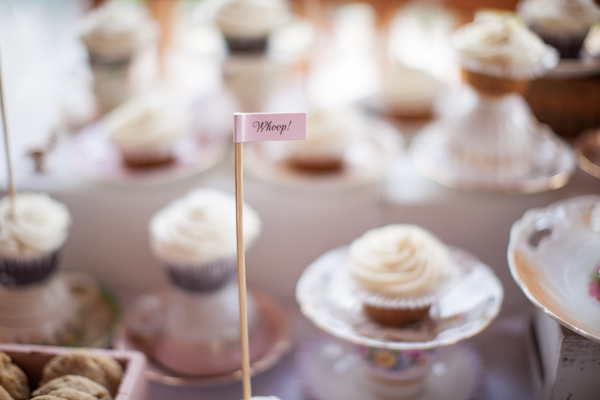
(80, 383)
(4, 394)
(71, 394)
(13, 379)
(99, 368)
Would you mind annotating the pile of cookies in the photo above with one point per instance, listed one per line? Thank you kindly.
(75, 375)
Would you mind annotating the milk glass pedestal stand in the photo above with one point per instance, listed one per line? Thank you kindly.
(377, 362)
(494, 144)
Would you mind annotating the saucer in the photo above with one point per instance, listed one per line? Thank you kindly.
(98, 159)
(327, 298)
(568, 68)
(330, 371)
(552, 255)
(587, 152)
(275, 332)
(365, 163)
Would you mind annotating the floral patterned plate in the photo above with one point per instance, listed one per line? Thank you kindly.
(326, 297)
(329, 370)
(554, 256)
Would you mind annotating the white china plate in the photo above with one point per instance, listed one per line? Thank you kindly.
(587, 151)
(552, 253)
(366, 162)
(204, 147)
(326, 297)
(576, 67)
(330, 371)
(275, 333)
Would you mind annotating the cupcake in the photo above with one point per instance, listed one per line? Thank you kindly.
(33, 229)
(195, 237)
(499, 55)
(400, 271)
(246, 24)
(408, 93)
(563, 24)
(330, 136)
(113, 34)
(145, 130)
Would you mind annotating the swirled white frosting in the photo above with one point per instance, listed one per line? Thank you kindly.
(328, 131)
(570, 16)
(35, 226)
(200, 227)
(145, 121)
(116, 29)
(409, 88)
(398, 260)
(252, 18)
(500, 44)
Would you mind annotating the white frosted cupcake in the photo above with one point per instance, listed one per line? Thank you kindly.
(401, 270)
(330, 135)
(408, 93)
(195, 236)
(500, 55)
(246, 24)
(563, 24)
(113, 33)
(32, 232)
(146, 130)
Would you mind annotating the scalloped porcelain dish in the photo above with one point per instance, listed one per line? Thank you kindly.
(275, 334)
(553, 254)
(366, 162)
(325, 295)
(587, 151)
(97, 309)
(331, 371)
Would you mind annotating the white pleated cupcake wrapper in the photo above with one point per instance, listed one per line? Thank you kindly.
(22, 271)
(201, 277)
(548, 62)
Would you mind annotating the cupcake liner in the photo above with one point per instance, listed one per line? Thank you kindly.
(249, 45)
(147, 157)
(548, 62)
(21, 271)
(201, 277)
(492, 85)
(569, 45)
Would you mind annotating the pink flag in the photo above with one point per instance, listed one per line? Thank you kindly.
(260, 127)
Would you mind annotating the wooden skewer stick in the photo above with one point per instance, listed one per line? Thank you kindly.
(11, 182)
(239, 202)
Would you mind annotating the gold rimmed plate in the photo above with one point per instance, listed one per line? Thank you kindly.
(274, 331)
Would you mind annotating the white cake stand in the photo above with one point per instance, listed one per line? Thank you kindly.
(492, 144)
(327, 298)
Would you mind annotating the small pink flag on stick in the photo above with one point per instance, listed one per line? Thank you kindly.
(255, 128)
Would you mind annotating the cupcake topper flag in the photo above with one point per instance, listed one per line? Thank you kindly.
(11, 184)
(256, 128)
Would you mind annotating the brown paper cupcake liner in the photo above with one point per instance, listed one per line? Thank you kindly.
(492, 85)
(568, 45)
(246, 45)
(201, 277)
(17, 272)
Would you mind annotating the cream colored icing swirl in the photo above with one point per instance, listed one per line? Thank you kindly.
(595, 218)
(572, 16)
(252, 18)
(500, 44)
(408, 87)
(398, 260)
(328, 131)
(116, 29)
(35, 226)
(200, 227)
(145, 121)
